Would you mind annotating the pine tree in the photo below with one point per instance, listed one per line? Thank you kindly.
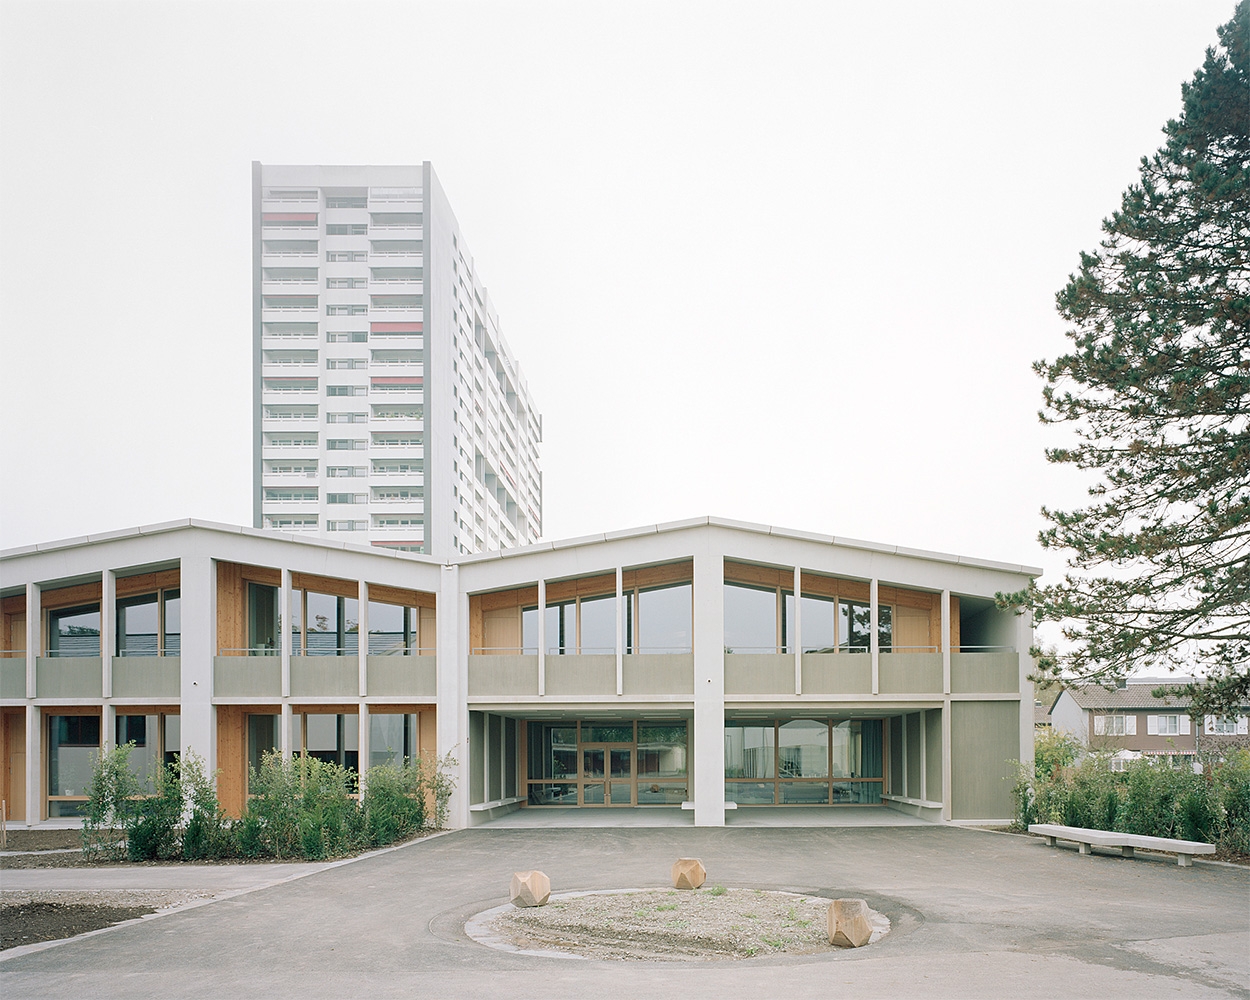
(1156, 389)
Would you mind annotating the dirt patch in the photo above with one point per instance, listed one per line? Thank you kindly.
(28, 923)
(665, 924)
(42, 840)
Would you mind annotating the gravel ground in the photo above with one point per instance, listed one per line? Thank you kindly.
(653, 924)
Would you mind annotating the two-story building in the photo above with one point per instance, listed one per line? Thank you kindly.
(706, 664)
(1131, 722)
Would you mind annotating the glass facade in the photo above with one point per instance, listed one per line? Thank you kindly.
(74, 631)
(751, 620)
(393, 629)
(606, 763)
(73, 745)
(150, 624)
(392, 738)
(804, 762)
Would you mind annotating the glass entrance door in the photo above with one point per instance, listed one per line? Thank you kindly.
(607, 775)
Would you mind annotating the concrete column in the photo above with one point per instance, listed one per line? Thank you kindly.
(873, 645)
(542, 637)
(620, 630)
(902, 721)
(946, 761)
(362, 638)
(797, 638)
(362, 748)
(34, 639)
(36, 782)
(108, 631)
(108, 725)
(198, 583)
(924, 755)
(286, 730)
(709, 684)
(452, 719)
(1024, 642)
(286, 630)
(946, 642)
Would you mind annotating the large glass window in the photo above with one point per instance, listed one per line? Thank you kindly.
(607, 763)
(819, 624)
(74, 632)
(818, 762)
(392, 738)
(138, 626)
(262, 619)
(262, 738)
(172, 625)
(663, 623)
(749, 751)
(855, 627)
(392, 629)
(598, 624)
(750, 619)
(149, 624)
(334, 739)
(803, 749)
(586, 625)
(330, 624)
(73, 744)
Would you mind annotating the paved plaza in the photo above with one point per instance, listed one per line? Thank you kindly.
(975, 914)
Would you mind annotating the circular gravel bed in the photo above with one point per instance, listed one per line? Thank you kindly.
(665, 924)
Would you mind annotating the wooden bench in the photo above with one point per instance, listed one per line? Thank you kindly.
(1087, 840)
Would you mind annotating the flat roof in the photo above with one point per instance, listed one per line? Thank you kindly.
(543, 546)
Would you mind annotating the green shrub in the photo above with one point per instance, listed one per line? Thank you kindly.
(152, 829)
(1230, 783)
(111, 802)
(393, 802)
(207, 833)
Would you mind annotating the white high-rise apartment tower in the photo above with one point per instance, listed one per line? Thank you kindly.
(388, 409)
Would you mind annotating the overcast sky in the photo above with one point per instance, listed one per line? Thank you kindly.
(781, 262)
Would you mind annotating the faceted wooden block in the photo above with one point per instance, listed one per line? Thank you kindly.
(688, 873)
(530, 889)
(848, 923)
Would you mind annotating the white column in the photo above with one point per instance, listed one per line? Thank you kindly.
(542, 637)
(873, 644)
(797, 624)
(946, 642)
(362, 637)
(198, 583)
(709, 684)
(946, 761)
(451, 701)
(1024, 642)
(924, 754)
(620, 631)
(906, 779)
(35, 780)
(108, 633)
(362, 747)
(286, 630)
(286, 730)
(34, 638)
(946, 706)
(108, 725)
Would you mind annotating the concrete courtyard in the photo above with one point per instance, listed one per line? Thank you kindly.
(975, 914)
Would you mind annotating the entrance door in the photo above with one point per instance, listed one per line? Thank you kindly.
(607, 775)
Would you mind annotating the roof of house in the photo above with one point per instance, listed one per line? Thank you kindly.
(1041, 714)
(1134, 695)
